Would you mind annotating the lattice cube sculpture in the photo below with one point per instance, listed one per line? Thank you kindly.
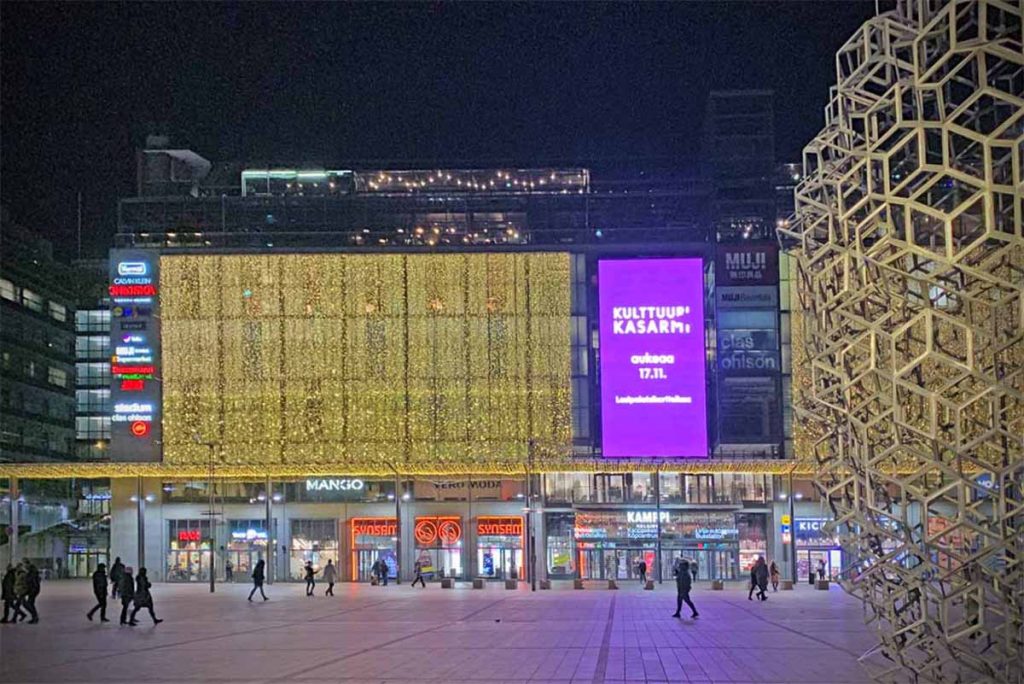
(909, 378)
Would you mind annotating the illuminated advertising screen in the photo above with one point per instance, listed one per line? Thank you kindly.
(652, 360)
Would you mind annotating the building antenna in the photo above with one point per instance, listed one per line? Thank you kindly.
(79, 224)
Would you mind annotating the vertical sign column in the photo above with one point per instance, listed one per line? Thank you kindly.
(135, 389)
(747, 330)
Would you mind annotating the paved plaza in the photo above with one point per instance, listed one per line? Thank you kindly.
(401, 634)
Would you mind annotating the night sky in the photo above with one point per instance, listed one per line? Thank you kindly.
(81, 83)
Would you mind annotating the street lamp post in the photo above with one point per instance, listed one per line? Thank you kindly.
(213, 553)
(398, 523)
(531, 539)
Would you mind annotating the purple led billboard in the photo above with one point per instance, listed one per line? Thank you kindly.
(653, 396)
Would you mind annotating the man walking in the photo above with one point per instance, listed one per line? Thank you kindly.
(642, 570)
(99, 589)
(116, 573)
(127, 593)
(27, 586)
(11, 608)
(417, 569)
(682, 573)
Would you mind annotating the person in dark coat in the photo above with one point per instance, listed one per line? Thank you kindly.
(642, 570)
(143, 598)
(127, 593)
(310, 582)
(682, 573)
(12, 609)
(258, 576)
(32, 587)
(760, 578)
(99, 589)
(116, 573)
(417, 568)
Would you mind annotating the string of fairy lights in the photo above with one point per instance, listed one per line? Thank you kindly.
(421, 361)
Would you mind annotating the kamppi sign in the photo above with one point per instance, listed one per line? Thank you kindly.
(135, 390)
(652, 358)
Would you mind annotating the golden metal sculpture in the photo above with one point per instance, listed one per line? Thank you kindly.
(908, 237)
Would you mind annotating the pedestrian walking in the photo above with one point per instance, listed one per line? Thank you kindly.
(382, 572)
(417, 569)
(761, 578)
(12, 611)
(693, 570)
(821, 569)
(258, 576)
(310, 582)
(143, 598)
(30, 589)
(753, 581)
(642, 570)
(773, 571)
(127, 592)
(116, 573)
(229, 571)
(330, 576)
(99, 589)
(683, 585)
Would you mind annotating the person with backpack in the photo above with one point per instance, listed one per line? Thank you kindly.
(99, 590)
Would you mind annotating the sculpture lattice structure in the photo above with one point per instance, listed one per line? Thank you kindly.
(910, 275)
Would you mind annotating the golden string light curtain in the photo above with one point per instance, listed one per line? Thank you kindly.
(432, 363)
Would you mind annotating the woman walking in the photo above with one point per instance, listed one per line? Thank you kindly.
(330, 576)
(143, 599)
(258, 576)
(773, 570)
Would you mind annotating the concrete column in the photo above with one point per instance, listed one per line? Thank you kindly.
(124, 521)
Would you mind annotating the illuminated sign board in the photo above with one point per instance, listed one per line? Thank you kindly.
(506, 526)
(249, 535)
(333, 485)
(652, 358)
(374, 527)
(189, 536)
(431, 531)
(747, 264)
(135, 389)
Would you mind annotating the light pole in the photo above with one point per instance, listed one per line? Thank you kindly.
(792, 528)
(197, 438)
(531, 540)
(398, 524)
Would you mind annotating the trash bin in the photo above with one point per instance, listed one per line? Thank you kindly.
(811, 577)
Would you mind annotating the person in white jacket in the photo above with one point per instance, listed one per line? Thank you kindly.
(330, 576)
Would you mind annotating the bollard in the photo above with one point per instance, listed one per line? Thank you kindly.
(478, 583)
(447, 583)
(511, 584)
(612, 584)
(716, 585)
(577, 584)
(786, 585)
(545, 584)
(822, 585)
(649, 586)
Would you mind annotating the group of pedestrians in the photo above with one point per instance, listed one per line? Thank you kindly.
(21, 586)
(760, 574)
(330, 575)
(133, 590)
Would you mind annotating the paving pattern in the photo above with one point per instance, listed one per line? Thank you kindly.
(400, 634)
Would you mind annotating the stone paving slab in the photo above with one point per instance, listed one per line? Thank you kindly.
(400, 634)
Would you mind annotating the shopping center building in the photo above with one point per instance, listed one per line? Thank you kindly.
(444, 366)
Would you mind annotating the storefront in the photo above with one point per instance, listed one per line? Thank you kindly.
(246, 545)
(188, 555)
(500, 541)
(313, 541)
(439, 546)
(84, 555)
(611, 544)
(814, 545)
(372, 539)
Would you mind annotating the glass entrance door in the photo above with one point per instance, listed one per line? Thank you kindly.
(188, 566)
(499, 562)
(617, 564)
(363, 560)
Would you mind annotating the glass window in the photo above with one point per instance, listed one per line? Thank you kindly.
(312, 540)
(55, 376)
(31, 300)
(58, 312)
(92, 401)
(93, 374)
(8, 291)
(96, 320)
(558, 528)
(188, 554)
(92, 427)
(92, 346)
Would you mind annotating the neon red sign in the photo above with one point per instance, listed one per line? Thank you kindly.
(133, 385)
(132, 290)
(189, 536)
(118, 369)
(140, 428)
(429, 531)
(374, 527)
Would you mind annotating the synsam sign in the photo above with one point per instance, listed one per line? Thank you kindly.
(653, 396)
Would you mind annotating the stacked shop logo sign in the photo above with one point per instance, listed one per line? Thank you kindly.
(749, 363)
(134, 290)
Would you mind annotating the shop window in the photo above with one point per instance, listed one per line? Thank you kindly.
(188, 554)
(312, 540)
(246, 545)
(558, 528)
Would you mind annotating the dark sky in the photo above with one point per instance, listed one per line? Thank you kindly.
(80, 83)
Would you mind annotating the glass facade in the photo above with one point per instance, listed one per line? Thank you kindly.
(312, 540)
(188, 550)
